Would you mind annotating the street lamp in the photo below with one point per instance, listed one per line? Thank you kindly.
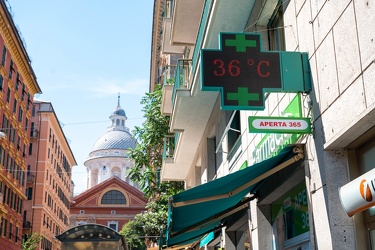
(2, 134)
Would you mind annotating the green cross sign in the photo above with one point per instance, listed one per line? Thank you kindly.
(242, 72)
(243, 97)
(240, 43)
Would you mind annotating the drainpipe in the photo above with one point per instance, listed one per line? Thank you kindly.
(36, 171)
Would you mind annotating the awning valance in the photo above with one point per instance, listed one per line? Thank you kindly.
(202, 209)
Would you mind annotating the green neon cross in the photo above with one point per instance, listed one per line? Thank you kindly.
(243, 96)
(241, 43)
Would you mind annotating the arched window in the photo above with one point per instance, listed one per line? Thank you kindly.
(113, 197)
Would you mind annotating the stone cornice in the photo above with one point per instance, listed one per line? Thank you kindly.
(15, 47)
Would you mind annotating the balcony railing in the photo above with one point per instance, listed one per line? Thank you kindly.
(182, 75)
(169, 146)
(168, 8)
(170, 143)
(30, 178)
(168, 75)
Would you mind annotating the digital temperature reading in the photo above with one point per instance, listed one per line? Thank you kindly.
(241, 71)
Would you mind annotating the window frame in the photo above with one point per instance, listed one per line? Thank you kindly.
(118, 199)
(276, 28)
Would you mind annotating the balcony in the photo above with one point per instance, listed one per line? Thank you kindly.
(175, 78)
(167, 47)
(190, 108)
(168, 79)
(168, 152)
(190, 111)
(30, 178)
(186, 20)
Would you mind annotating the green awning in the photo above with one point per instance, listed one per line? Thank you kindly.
(206, 239)
(202, 209)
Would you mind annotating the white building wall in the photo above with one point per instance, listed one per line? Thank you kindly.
(340, 41)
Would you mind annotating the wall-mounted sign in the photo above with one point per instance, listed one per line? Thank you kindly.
(286, 125)
(271, 143)
(242, 72)
(359, 194)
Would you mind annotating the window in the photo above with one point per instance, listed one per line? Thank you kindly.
(212, 165)
(8, 95)
(291, 224)
(276, 28)
(23, 92)
(20, 205)
(11, 69)
(16, 235)
(26, 124)
(113, 197)
(113, 225)
(17, 80)
(29, 193)
(28, 101)
(12, 133)
(14, 105)
(10, 230)
(2, 155)
(14, 201)
(81, 211)
(30, 149)
(366, 157)
(4, 223)
(234, 131)
(20, 114)
(1, 82)
(18, 142)
(4, 56)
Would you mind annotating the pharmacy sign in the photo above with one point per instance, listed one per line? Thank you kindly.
(243, 73)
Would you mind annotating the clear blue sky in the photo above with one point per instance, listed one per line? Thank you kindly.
(85, 52)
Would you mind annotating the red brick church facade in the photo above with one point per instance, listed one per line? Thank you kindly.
(111, 203)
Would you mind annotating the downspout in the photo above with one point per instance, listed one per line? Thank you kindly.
(36, 171)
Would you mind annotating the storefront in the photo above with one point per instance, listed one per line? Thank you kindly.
(358, 195)
(199, 211)
(290, 219)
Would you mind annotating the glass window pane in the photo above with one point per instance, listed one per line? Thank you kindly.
(113, 197)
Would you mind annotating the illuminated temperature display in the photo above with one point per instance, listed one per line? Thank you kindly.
(241, 71)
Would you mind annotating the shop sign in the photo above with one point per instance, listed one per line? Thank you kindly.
(359, 194)
(289, 125)
(243, 73)
(272, 143)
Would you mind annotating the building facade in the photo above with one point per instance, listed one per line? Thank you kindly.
(111, 199)
(112, 203)
(18, 85)
(49, 173)
(299, 206)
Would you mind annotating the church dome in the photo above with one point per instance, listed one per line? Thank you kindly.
(115, 139)
(117, 135)
(119, 111)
